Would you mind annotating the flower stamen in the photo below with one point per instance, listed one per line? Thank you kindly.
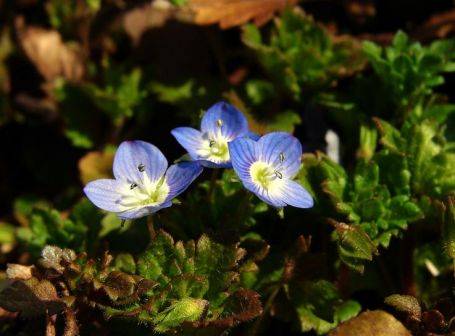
(141, 167)
(278, 174)
(219, 123)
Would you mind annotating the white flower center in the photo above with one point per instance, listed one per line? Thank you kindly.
(266, 176)
(144, 193)
(215, 150)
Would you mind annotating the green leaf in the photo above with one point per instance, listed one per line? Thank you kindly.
(300, 54)
(79, 139)
(179, 2)
(448, 229)
(319, 306)
(187, 309)
(251, 36)
(354, 245)
(285, 121)
(390, 136)
(7, 233)
(173, 93)
(405, 303)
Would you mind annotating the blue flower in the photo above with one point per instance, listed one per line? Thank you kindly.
(143, 183)
(267, 166)
(221, 124)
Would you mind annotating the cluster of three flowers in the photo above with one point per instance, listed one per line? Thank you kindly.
(144, 184)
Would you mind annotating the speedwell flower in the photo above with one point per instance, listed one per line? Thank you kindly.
(267, 166)
(143, 183)
(221, 124)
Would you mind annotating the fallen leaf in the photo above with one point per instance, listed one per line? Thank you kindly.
(371, 323)
(31, 298)
(151, 15)
(95, 165)
(439, 25)
(19, 272)
(230, 13)
(52, 57)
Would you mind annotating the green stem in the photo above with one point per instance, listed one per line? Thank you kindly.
(212, 185)
(267, 307)
(151, 227)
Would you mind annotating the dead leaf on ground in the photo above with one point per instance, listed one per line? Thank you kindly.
(151, 15)
(19, 272)
(95, 165)
(437, 26)
(7, 315)
(230, 13)
(31, 298)
(46, 50)
(371, 323)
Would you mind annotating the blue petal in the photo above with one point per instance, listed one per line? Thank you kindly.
(179, 176)
(243, 154)
(233, 122)
(253, 136)
(190, 139)
(281, 150)
(134, 159)
(296, 195)
(143, 211)
(210, 164)
(269, 198)
(105, 194)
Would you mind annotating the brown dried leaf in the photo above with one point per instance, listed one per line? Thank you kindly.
(31, 298)
(231, 13)
(434, 321)
(119, 285)
(241, 306)
(71, 326)
(371, 323)
(53, 256)
(19, 272)
(52, 57)
(6, 315)
(95, 165)
(439, 25)
(151, 15)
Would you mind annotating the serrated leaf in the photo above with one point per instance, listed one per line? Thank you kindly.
(319, 306)
(354, 245)
(390, 136)
(214, 261)
(405, 303)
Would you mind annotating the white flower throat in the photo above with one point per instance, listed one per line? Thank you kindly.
(215, 147)
(267, 175)
(144, 192)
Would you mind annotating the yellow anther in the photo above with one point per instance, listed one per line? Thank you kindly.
(219, 123)
(281, 157)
